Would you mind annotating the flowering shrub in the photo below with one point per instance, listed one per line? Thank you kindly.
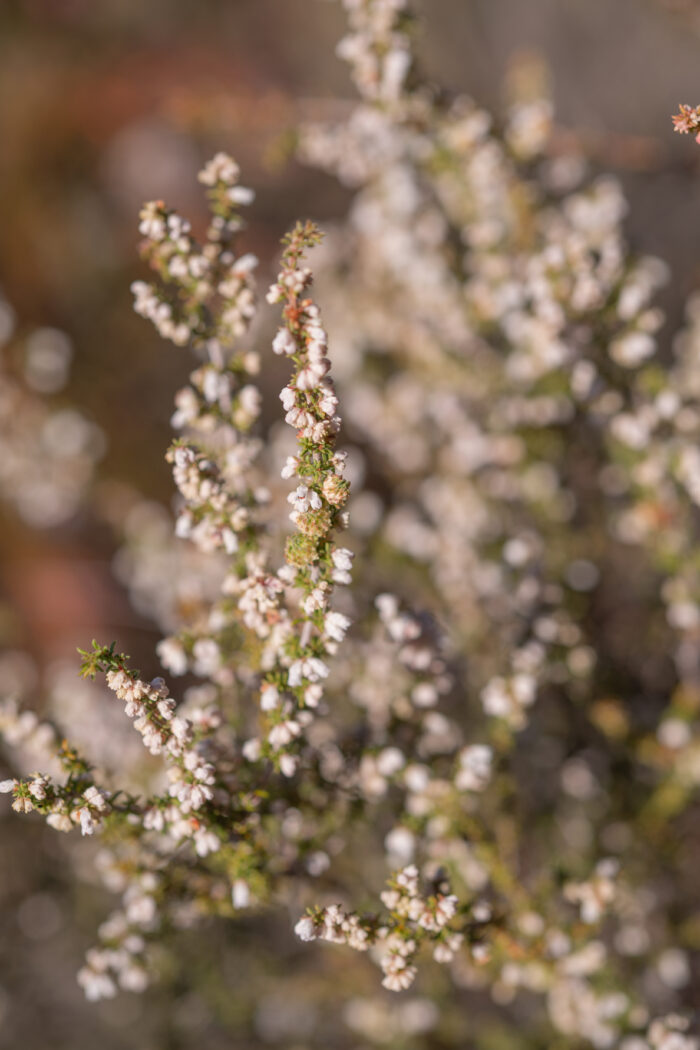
(513, 718)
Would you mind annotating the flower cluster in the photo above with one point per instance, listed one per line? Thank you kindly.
(207, 295)
(76, 802)
(377, 47)
(411, 919)
(687, 121)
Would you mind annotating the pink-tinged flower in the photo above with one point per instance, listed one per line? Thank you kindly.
(687, 120)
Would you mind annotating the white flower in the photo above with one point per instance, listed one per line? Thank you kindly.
(288, 765)
(242, 195)
(281, 735)
(632, 349)
(96, 985)
(220, 168)
(134, 979)
(141, 910)
(475, 768)
(305, 929)
(342, 558)
(316, 668)
(205, 842)
(87, 824)
(251, 749)
(284, 342)
(59, 822)
(207, 656)
(95, 798)
(269, 697)
(400, 980)
(245, 264)
(390, 761)
(240, 894)
(335, 625)
(313, 694)
(290, 467)
(400, 844)
(424, 694)
(172, 655)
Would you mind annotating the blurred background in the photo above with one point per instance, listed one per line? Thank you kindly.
(107, 103)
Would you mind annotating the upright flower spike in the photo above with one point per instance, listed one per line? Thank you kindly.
(206, 298)
(314, 564)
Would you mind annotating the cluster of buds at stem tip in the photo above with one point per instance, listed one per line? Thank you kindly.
(207, 293)
(687, 121)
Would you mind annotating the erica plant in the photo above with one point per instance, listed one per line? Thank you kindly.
(446, 718)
